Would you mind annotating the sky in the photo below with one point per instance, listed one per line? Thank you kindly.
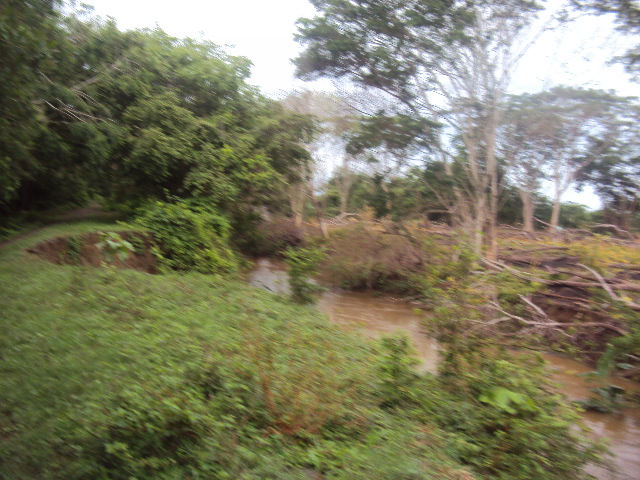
(263, 31)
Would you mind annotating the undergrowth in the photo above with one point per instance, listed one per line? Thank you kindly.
(189, 237)
(117, 374)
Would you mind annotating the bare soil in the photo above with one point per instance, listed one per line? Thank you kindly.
(83, 250)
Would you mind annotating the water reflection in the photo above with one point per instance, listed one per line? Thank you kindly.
(376, 316)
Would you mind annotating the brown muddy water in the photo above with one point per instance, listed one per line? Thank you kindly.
(375, 316)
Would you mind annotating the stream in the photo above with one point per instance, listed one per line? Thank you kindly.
(374, 316)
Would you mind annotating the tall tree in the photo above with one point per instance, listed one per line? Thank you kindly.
(449, 61)
(557, 135)
(585, 125)
(527, 141)
(615, 175)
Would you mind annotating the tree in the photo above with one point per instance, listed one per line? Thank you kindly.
(615, 176)
(558, 135)
(133, 116)
(189, 124)
(449, 62)
(29, 38)
(585, 125)
(334, 118)
(390, 142)
(527, 143)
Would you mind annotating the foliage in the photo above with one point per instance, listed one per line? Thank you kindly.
(74, 249)
(112, 245)
(29, 41)
(401, 134)
(620, 349)
(273, 237)
(133, 116)
(108, 376)
(397, 374)
(598, 252)
(606, 399)
(189, 237)
(303, 263)
(627, 17)
(423, 57)
(154, 433)
(502, 419)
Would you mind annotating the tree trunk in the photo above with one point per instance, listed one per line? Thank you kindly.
(319, 213)
(494, 188)
(385, 189)
(296, 199)
(494, 193)
(478, 225)
(555, 217)
(345, 181)
(528, 210)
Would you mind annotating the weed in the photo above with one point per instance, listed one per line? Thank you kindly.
(303, 263)
(114, 246)
(74, 247)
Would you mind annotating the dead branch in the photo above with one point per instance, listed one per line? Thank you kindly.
(570, 299)
(538, 310)
(538, 249)
(569, 272)
(609, 290)
(559, 325)
(602, 282)
(615, 228)
(625, 266)
(626, 286)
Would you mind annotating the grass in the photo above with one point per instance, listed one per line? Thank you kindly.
(118, 374)
(76, 340)
(71, 335)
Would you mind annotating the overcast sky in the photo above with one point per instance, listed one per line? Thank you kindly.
(263, 31)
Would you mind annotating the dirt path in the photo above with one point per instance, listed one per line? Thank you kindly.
(89, 212)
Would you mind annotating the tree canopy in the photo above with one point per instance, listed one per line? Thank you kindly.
(133, 116)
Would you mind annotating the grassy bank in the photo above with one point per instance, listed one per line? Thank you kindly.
(118, 374)
(94, 359)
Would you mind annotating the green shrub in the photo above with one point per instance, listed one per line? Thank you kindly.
(150, 433)
(498, 410)
(396, 371)
(189, 237)
(303, 263)
(74, 248)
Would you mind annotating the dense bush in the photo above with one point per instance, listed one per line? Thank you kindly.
(189, 237)
(498, 407)
(361, 256)
(258, 237)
